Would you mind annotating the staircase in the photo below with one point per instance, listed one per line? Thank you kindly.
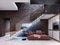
(36, 13)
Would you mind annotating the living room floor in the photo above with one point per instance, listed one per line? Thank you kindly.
(5, 41)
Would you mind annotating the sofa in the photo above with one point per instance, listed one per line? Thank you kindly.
(37, 35)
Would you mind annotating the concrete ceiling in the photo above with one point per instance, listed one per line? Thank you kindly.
(45, 2)
(10, 4)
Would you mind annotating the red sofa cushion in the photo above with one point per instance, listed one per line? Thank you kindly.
(34, 37)
(44, 37)
(38, 37)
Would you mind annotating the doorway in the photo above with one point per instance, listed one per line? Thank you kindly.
(7, 24)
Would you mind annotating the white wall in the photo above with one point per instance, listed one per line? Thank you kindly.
(51, 21)
(52, 33)
(56, 35)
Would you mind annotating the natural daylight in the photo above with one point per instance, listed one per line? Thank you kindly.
(29, 22)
